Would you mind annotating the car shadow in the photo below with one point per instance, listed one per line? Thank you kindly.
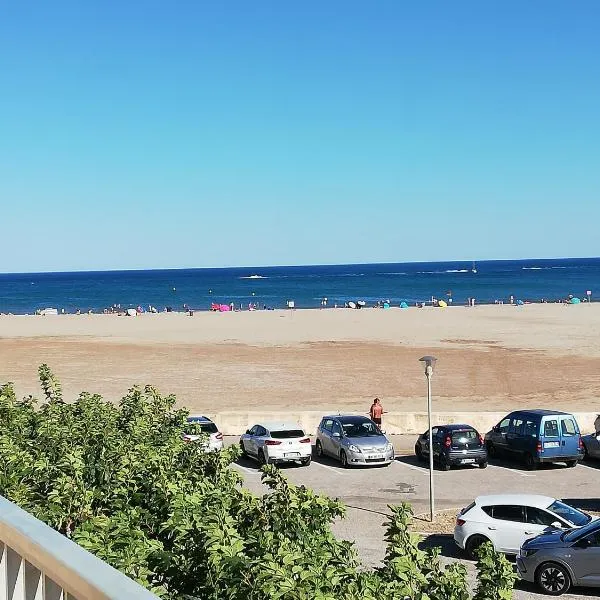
(592, 463)
(517, 465)
(413, 461)
(535, 592)
(445, 542)
(252, 465)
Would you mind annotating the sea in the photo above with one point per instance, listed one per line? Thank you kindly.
(488, 281)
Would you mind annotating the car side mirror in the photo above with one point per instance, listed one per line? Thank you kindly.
(495, 428)
(336, 434)
(248, 432)
(557, 525)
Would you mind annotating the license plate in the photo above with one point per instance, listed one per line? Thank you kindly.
(292, 454)
(551, 444)
(374, 456)
(465, 461)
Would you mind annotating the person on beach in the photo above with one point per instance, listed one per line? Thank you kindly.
(376, 411)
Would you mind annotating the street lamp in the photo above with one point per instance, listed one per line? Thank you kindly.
(429, 366)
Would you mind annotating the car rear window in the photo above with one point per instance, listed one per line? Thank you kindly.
(551, 428)
(568, 426)
(196, 427)
(287, 434)
(464, 435)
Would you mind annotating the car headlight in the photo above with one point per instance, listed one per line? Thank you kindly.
(526, 552)
(389, 447)
(353, 448)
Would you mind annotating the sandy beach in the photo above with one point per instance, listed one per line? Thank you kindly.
(490, 357)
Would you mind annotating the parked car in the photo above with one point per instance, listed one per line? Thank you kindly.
(507, 520)
(453, 445)
(201, 428)
(354, 441)
(591, 442)
(271, 443)
(561, 559)
(537, 436)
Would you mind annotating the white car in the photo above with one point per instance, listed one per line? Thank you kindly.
(199, 427)
(271, 443)
(507, 520)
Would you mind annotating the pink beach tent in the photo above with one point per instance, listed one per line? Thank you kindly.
(224, 308)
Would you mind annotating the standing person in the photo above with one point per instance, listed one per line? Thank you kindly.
(376, 411)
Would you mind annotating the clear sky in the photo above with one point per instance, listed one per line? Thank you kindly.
(188, 134)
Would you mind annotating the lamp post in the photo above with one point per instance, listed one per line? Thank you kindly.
(429, 366)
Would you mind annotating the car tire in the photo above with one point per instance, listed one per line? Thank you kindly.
(473, 544)
(483, 464)
(491, 450)
(305, 461)
(244, 454)
(553, 579)
(443, 464)
(319, 449)
(572, 463)
(530, 463)
(343, 459)
(419, 453)
(261, 458)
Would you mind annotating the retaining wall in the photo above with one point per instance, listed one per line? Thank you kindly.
(236, 423)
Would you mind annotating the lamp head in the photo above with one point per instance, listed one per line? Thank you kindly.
(429, 364)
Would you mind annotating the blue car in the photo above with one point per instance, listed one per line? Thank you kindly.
(536, 437)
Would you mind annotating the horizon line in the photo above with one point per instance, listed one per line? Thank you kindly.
(353, 264)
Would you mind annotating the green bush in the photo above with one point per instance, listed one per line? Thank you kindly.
(122, 483)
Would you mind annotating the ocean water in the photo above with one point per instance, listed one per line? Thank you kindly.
(549, 279)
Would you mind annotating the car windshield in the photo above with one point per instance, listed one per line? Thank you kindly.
(577, 517)
(356, 429)
(285, 434)
(574, 534)
(199, 427)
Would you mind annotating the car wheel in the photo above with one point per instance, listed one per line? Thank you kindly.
(344, 459)
(305, 461)
(553, 579)
(243, 450)
(319, 449)
(530, 462)
(483, 464)
(473, 544)
(572, 463)
(491, 449)
(261, 458)
(419, 453)
(443, 464)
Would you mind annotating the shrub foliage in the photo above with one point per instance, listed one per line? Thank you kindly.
(121, 482)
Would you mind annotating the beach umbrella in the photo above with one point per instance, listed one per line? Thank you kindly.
(442, 304)
(403, 305)
(386, 305)
(575, 300)
(519, 302)
(351, 305)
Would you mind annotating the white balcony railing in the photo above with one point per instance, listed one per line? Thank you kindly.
(38, 563)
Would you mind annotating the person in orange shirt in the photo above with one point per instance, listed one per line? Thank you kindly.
(376, 412)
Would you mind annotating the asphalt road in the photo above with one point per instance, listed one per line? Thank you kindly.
(367, 492)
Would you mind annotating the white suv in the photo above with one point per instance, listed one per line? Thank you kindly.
(271, 443)
(507, 520)
(201, 429)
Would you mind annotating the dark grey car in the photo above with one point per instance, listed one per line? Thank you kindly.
(558, 560)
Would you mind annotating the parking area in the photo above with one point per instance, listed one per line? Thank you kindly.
(368, 491)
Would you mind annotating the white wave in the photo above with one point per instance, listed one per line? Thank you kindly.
(253, 277)
(457, 271)
(535, 268)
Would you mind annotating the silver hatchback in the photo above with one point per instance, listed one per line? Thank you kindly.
(354, 441)
(558, 560)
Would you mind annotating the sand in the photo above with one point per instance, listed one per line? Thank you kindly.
(490, 357)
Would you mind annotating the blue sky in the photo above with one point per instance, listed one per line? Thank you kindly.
(189, 134)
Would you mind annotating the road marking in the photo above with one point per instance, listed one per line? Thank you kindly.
(587, 467)
(334, 469)
(515, 471)
(246, 469)
(403, 464)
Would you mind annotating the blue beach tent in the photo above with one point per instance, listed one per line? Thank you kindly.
(575, 300)
(403, 305)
